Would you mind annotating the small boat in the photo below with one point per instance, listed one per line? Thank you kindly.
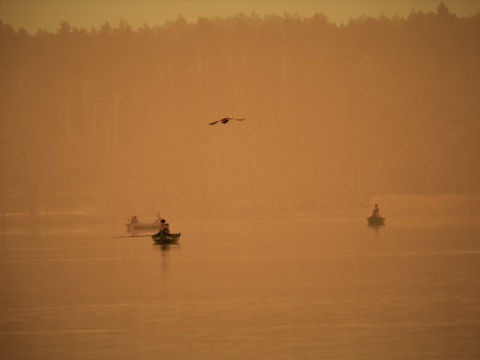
(142, 227)
(166, 238)
(376, 221)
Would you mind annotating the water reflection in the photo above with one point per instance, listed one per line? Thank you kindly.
(332, 289)
(376, 231)
(166, 247)
(37, 230)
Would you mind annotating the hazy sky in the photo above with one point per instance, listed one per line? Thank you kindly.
(47, 15)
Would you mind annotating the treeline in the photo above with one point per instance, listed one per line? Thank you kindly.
(388, 103)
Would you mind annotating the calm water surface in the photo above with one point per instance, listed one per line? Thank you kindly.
(319, 289)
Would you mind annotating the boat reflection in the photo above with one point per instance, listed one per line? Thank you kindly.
(166, 247)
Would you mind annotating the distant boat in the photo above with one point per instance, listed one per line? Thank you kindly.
(166, 238)
(376, 221)
(137, 227)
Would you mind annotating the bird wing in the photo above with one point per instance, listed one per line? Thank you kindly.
(226, 120)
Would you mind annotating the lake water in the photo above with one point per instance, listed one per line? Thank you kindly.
(306, 289)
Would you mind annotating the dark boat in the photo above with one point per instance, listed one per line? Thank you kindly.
(166, 238)
(376, 221)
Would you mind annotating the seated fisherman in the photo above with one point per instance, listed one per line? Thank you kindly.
(164, 227)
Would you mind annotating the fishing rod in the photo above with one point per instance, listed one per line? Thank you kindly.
(358, 202)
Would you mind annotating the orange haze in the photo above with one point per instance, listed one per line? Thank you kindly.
(115, 120)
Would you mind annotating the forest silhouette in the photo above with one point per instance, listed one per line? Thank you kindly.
(117, 118)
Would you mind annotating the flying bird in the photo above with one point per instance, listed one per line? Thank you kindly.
(225, 120)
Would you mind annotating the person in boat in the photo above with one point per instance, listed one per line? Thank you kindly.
(376, 211)
(134, 219)
(164, 227)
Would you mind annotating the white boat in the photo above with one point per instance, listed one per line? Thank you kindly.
(137, 227)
